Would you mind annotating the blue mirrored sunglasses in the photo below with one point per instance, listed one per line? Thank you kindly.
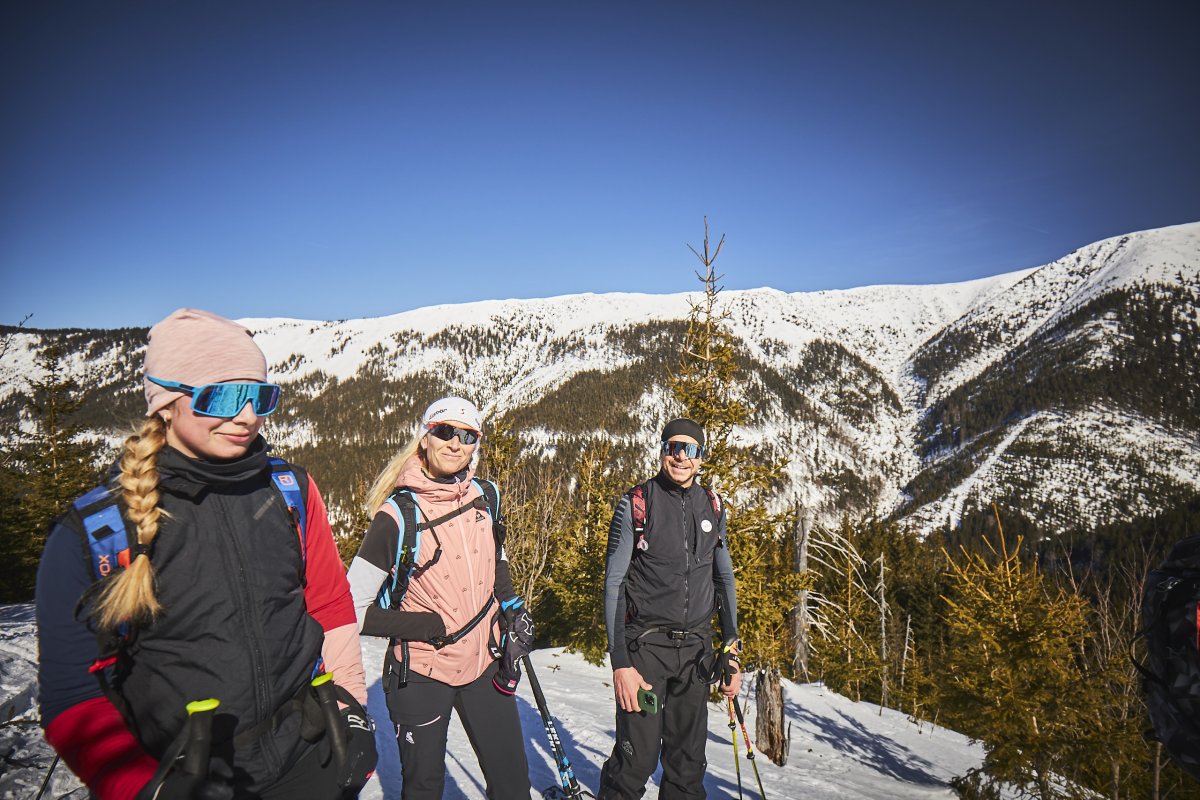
(446, 432)
(687, 448)
(227, 399)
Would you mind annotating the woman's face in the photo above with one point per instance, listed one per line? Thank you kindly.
(446, 457)
(210, 438)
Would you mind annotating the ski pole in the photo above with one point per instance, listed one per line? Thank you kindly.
(323, 684)
(749, 747)
(192, 745)
(46, 780)
(737, 762)
(566, 775)
(199, 743)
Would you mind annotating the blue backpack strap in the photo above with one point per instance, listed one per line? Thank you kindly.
(408, 544)
(107, 538)
(491, 494)
(286, 482)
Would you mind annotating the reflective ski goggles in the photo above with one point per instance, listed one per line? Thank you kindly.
(445, 431)
(227, 399)
(687, 448)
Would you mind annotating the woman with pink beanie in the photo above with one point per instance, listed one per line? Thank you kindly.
(442, 607)
(226, 585)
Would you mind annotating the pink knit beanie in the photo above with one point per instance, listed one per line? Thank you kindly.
(198, 347)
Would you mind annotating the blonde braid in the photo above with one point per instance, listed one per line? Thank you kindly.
(129, 597)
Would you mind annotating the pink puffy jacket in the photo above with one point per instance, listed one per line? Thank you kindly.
(458, 585)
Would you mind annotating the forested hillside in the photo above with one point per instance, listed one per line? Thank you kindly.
(922, 481)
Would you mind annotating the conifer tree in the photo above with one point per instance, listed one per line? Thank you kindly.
(578, 578)
(13, 525)
(705, 385)
(57, 466)
(1015, 679)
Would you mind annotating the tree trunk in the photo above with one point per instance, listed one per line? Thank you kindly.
(771, 738)
(800, 613)
(1157, 769)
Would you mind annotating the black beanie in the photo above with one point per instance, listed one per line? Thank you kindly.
(683, 427)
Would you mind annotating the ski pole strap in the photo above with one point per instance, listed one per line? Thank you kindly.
(395, 670)
(439, 642)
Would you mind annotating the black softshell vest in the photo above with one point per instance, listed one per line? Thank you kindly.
(234, 626)
(670, 582)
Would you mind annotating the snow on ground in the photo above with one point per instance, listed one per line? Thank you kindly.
(840, 750)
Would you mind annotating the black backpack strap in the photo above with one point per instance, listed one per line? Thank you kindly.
(443, 641)
(715, 500)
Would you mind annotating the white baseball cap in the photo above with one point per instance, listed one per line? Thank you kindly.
(453, 410)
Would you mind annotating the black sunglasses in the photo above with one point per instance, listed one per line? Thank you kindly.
(687, 448)
(445, 431)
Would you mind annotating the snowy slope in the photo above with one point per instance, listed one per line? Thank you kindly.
(840, 750)
(1043, 296)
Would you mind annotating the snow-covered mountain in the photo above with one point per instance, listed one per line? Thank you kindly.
(1066, 392)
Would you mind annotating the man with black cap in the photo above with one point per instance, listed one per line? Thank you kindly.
(667, 570)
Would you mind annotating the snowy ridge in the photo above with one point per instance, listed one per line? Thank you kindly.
(842, 381)
(1041, 297)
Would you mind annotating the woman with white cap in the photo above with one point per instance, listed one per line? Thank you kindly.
(203, 570)
(431, 577)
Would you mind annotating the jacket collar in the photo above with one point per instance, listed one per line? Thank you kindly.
(668, 485)
(187, 476)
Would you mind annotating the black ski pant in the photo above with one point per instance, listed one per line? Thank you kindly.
(421, 710)
(679, 731)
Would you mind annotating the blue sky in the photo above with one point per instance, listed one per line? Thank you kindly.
(333, 160)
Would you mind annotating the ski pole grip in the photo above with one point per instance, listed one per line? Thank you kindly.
(323, 685)
(199, 740)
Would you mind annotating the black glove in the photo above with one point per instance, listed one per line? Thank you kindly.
(517, 643)
(360, 746)
(178, 786)
(728, 664)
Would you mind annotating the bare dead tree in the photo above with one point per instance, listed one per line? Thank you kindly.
(800, 616)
